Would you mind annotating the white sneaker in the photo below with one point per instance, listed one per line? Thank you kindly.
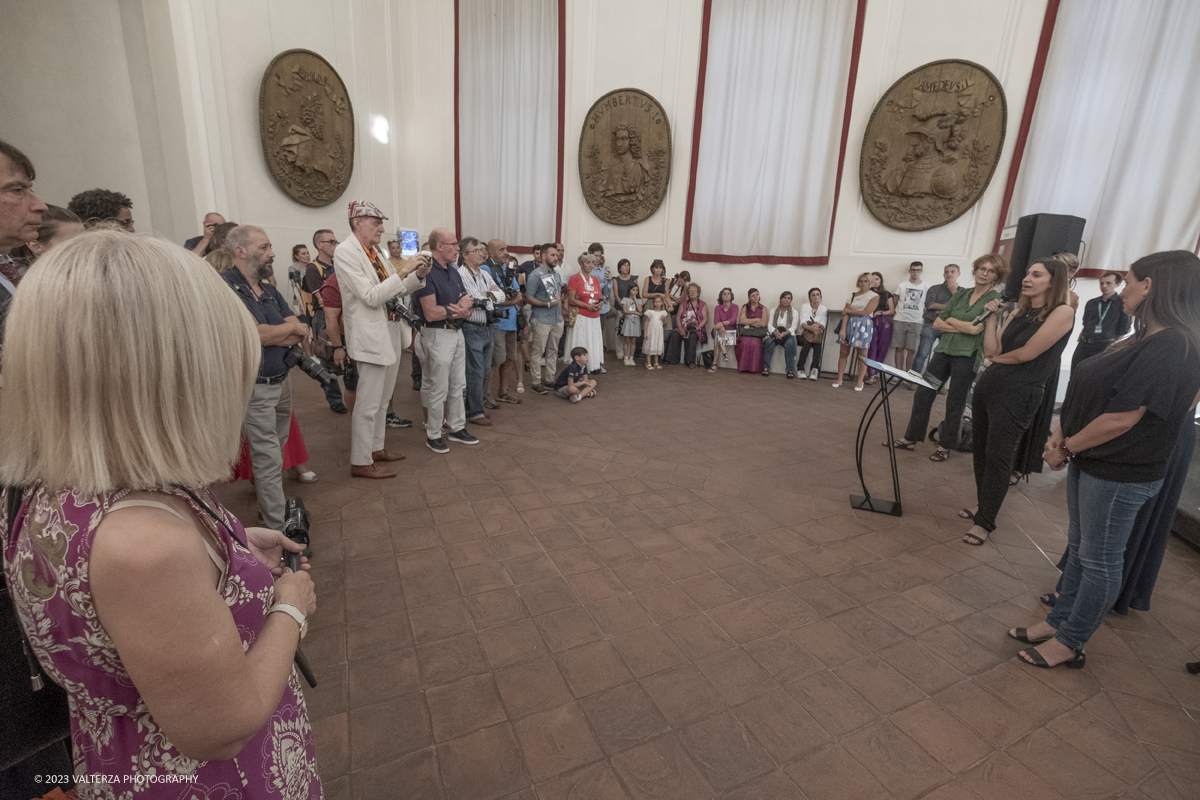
(813, 375)
(520, 387)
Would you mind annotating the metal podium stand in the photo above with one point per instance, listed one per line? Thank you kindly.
(891, 381)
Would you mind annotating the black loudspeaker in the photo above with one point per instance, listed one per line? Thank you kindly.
(1040, 235)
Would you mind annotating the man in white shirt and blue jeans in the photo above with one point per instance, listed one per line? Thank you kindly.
(910, 308)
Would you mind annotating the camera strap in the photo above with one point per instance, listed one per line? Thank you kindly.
(220, 522)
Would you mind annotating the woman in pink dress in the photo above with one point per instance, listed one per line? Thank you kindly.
(170, 627)
(752, 322)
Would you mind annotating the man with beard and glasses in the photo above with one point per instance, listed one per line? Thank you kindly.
(269, 415)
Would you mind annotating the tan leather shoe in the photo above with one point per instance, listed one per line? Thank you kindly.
(484, 421)
(373, 471)
(384, 455)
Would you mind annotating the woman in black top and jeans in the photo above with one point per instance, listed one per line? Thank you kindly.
(1025, 352)
(1120, 420)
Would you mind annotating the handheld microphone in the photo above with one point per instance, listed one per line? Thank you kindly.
(1005, 299)
(292, 561)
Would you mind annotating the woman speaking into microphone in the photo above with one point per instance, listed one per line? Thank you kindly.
(1025, 351)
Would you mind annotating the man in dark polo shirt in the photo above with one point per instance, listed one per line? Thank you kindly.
(269, 415)
(442, 306)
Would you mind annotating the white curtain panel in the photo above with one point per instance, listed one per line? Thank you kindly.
(774, 99)
(1114, 137)
(508, 119)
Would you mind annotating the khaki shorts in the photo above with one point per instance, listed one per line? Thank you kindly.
(504, 346)
(906, 335)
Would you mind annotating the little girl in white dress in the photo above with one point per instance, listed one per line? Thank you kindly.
(652, 344)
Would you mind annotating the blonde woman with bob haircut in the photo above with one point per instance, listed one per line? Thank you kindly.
(140, 595)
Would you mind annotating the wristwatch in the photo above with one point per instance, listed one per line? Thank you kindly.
(292, 612)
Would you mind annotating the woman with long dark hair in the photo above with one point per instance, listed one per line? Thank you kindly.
(881, 337)
(1025, 350)
(1120, 421)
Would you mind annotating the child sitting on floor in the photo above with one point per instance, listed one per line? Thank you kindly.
(573, 382)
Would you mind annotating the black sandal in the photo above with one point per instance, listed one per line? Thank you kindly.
(939, 455)
(1022, 635)
(973, 540)
(1035, 659)
(766, 372)
(1049, 599)
(900, 445)
(966, 513)
(791, 376)
(1015, 478)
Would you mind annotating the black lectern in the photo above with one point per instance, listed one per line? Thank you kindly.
(892, 378)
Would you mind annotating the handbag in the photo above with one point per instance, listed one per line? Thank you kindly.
(35, 708)
(812, 337)
(753, 331)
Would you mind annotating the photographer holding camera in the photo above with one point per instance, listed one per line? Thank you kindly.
(507, 325)
(375, 335)
(477, 330)
(269, 415)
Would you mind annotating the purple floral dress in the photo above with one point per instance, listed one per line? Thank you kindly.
(46, 559)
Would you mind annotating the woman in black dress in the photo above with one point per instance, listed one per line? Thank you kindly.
(1025, 351)
(1120, 422)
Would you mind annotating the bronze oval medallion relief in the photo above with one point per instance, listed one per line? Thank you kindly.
(307, 127)
(625, 156)
(932, 145)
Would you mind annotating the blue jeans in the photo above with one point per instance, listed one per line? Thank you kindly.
(929, 337)
(479, 342)
(1102, 515)
(789, 352)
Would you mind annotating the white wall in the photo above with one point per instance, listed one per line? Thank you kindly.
(159, 99)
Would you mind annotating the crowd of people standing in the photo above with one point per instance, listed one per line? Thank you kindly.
(165, 366)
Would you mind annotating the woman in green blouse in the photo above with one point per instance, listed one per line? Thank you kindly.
(957, 357)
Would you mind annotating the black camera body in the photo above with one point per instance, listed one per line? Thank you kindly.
(309, 365)
(295, 526)
(395, 305)
(487, 305)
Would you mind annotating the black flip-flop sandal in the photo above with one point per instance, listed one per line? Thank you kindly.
(1049, 599)
(966, 514)
(1035, 659)
(973, 540)
(899, 445)
(940, 455)
(1022, 635)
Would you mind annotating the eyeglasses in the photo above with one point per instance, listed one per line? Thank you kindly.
(329, 241)
(127, 224)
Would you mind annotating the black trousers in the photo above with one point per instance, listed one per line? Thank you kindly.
(1000, 415)
(1085, 350)
(689, 351)
(960, 370)
(805, 346)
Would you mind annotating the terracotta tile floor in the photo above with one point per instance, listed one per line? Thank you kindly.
(663, 593)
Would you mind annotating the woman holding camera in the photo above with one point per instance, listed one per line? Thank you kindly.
(171, 628)
(691, 325)
(1120, 420)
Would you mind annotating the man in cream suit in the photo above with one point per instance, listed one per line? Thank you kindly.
(375, 337)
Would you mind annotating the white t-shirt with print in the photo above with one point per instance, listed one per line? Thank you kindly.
(910, 301)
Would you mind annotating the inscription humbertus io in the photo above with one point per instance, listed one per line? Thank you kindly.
(932, 145)
(625, 156)
(306, 124)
